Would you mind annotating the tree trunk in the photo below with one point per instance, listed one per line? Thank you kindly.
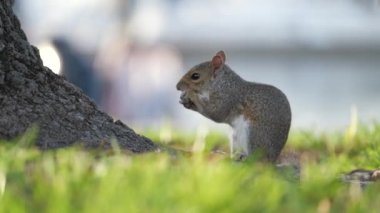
(32, 94)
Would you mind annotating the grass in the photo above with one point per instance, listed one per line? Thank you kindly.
(202, 180)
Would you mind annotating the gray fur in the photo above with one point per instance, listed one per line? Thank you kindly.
(266, 107)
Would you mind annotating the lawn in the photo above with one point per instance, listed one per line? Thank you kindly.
(201, 178)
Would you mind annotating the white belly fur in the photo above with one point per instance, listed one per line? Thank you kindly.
(240, 136)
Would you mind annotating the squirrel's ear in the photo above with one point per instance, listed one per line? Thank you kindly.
(222, 55)
(218, 60)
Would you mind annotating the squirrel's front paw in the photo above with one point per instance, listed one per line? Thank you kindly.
(186, 101)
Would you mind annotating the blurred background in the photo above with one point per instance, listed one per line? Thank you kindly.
(129, 55)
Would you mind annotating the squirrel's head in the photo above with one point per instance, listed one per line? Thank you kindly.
(202, 73)
(198, 77)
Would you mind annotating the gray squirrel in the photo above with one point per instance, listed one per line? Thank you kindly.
(259, 114)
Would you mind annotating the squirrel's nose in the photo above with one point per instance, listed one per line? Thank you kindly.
(179, 85)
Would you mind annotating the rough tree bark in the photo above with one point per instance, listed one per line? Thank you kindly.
(32, 94)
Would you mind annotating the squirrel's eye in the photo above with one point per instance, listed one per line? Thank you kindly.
(195, 76)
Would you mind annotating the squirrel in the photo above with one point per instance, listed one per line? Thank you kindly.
(259, 114)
